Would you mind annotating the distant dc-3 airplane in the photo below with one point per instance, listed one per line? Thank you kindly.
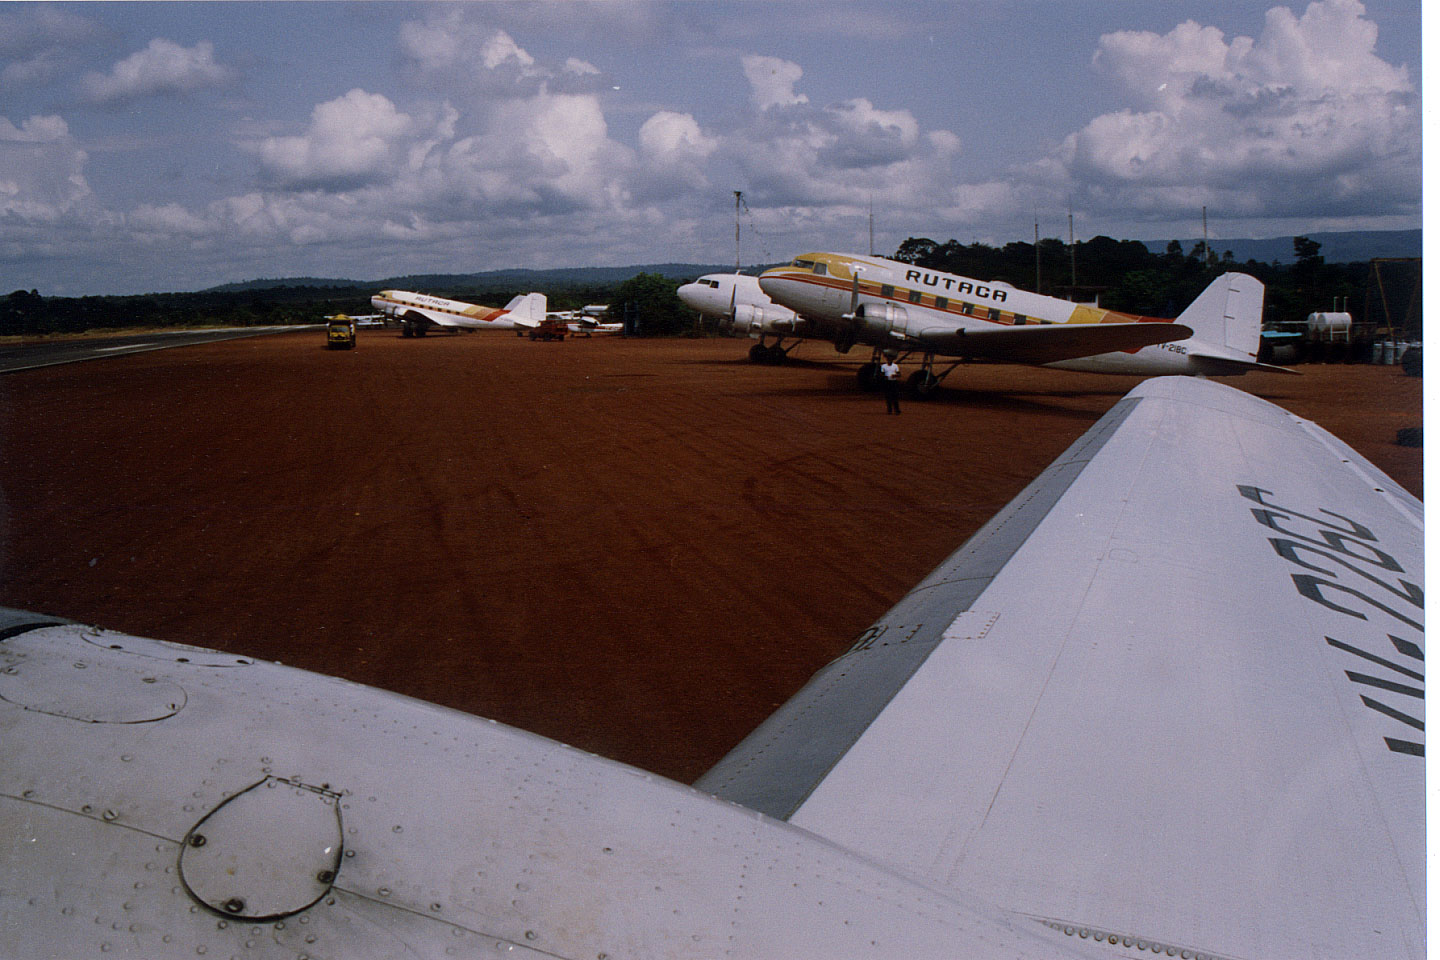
(1169, 702)
(417, 312)
(737, 301)
(888, 305)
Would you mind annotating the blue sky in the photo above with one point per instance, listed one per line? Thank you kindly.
(173, 146)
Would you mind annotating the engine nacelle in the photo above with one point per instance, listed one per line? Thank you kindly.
(881, 318)
(753, 318)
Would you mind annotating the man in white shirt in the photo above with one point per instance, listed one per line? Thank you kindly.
(890, 379)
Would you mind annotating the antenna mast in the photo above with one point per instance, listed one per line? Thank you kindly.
(1037, 253)
(1072, 249)
(737, 231)
(872, 225)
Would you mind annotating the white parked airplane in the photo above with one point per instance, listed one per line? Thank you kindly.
(1169, 702)
(417, 312)
(888, 305)
(590, 321)
(736, 300)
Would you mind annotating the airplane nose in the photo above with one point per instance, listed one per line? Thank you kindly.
(689, 293)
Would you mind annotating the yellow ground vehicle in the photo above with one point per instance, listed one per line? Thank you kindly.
(340, 333)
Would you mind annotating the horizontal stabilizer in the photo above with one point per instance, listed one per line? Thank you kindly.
(1225, 362)
(1050, 343)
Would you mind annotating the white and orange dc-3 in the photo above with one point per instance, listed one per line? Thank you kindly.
(418, 312)
(889, 305)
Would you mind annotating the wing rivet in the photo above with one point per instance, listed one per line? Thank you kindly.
(197, 840)
(325, 876)
(234, 905)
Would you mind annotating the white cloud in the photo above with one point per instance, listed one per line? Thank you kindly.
(794, 153)
(453, 45)
(674, 152)
(42, 170)
(1305, 117)
(772, 81)
(163, 67)
(352, 140)
(41, 42)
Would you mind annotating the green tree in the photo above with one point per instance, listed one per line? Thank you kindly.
(657, 310)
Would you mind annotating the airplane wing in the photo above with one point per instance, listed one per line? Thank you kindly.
(1165, 702)
(1171, 696)
(438, 317)
(1047, 343)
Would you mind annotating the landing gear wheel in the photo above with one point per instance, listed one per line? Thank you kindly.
(775, 355)
(758, 352)
(869, 376)
(923, 384)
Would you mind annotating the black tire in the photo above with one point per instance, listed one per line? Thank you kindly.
(1411, 362)
(923, 384)
(757, 352)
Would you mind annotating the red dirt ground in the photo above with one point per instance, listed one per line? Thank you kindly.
(637, 547)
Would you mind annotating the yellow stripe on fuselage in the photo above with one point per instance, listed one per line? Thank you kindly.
(839, 276)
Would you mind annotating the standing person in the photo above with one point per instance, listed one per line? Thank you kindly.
(890, 374)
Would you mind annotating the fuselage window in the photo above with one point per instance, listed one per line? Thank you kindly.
(968, 309)
(942, 303)
(819, 270)
(994, 314)
(914, 296)
(886, 290)
(1019, 319)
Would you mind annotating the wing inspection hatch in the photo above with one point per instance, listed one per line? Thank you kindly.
(270, 851)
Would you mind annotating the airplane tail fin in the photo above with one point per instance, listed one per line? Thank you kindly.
(1226, 320)
(1227, 314)
(528, 309)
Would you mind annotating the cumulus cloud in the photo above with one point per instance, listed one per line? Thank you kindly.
(163, 67)
(1304, 118)
(772, 81)
(42, 170)
(352, 140)
(41, 42)
(459, 45)
(795, 153)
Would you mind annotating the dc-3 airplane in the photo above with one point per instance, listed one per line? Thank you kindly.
(888, 305)
(418, 312)
(1168, 703)
(741, 307)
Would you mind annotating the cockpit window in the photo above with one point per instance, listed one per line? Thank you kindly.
(711, 283)
(819, 269)
(804, 264)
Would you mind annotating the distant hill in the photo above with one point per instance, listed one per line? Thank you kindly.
(560, 276)
(1335, 247)
(271, 284)
(1339, 247)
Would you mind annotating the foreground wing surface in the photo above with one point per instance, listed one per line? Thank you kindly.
(1172, 694)
(1048, 344)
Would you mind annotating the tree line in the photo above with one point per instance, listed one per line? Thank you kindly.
(1124, 274)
